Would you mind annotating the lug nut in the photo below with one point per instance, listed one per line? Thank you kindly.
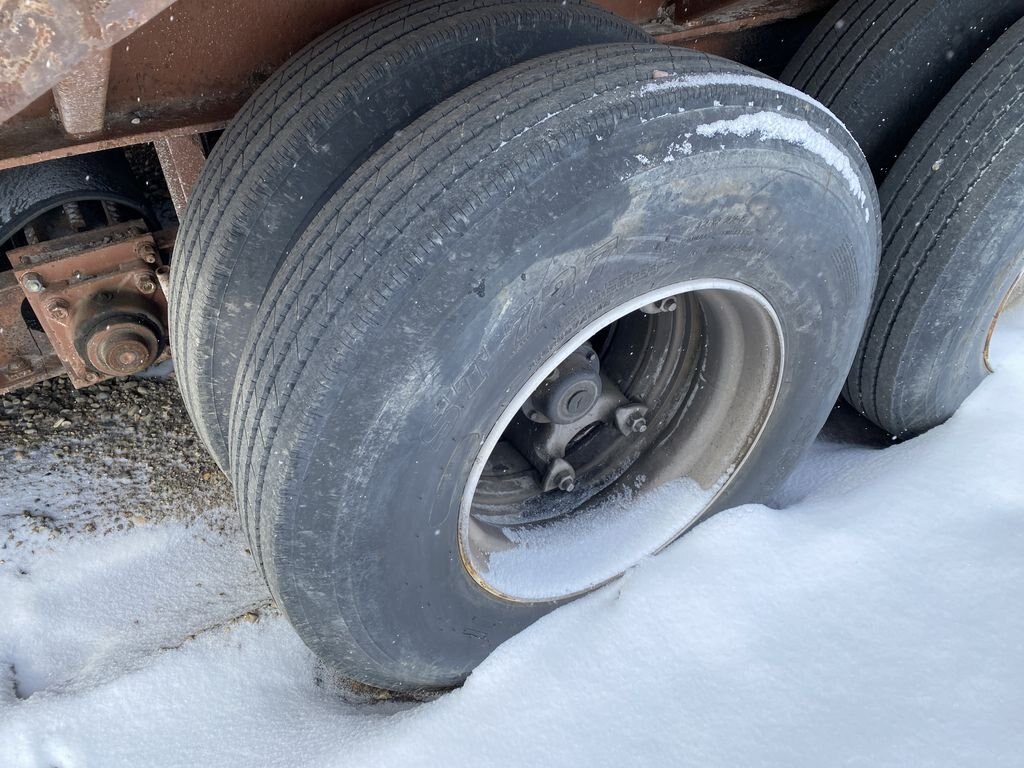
(631, 419)
(59, 310)
(146, 283)
(560, 476)
(33, 282)
(669, 304)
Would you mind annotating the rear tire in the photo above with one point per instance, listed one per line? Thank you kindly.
(953, 245)
(437, 281)
(29, 191)
(305, 131)
(881, 66)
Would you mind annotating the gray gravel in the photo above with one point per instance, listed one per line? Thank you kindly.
(125, 450)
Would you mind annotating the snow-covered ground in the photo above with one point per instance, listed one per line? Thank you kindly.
(876, 619)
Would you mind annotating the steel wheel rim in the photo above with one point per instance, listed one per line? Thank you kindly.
(1013, 297)
(743, 348)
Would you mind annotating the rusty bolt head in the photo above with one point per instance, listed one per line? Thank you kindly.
(147, 252)
(59, 310)
(145, 283)
(19, 365)
(32, 282)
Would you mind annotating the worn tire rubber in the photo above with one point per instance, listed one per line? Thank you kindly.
(420, 299)
(882, 65)
(953, 244)
(302, 134)
(30, 190)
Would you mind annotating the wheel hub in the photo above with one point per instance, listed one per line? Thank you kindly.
(674, 385)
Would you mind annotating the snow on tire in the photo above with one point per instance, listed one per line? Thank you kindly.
(953, 247)
(590, 276)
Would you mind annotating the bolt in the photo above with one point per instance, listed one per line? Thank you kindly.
(631, 419)
(561, 476)
(33, 282)
(59, 310)
(145, 283)
(669, 304)
(147, 252)
(18, 365)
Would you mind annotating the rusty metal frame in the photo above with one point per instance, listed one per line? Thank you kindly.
(26, 355)
(181, 160)
(43, 40)
(193, 63)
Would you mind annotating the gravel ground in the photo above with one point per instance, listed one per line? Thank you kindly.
(130, 446)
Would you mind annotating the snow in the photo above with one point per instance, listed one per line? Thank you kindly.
(706, 80)
(606, 540)
(874, 620)
(771, 126)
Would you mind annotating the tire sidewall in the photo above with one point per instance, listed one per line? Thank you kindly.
(381, 480)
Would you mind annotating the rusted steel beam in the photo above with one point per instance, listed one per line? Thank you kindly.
(192, 67)
(181, 159)
(81, 97)
(736, 16)
(689, 9)
(42, 40)
(46, 143)
(635, 10)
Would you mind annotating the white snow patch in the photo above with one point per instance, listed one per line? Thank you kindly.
(586, 550)
(775, 127)
(710, 79)
(875, 621)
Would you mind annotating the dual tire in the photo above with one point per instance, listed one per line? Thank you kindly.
(627, 202)
(944, 139)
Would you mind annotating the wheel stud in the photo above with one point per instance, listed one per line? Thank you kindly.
(662, 305)
(560, 476)
(631, 419)
(33, 282)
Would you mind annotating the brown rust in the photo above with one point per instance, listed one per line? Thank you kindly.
(26, 355)
(729, 18)
(81, 97)
(97, 297)
(42, 40)
(187, 70)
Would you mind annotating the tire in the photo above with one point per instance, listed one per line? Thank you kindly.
(953, 244)
(29, 191)
(305, 131)
(882, 65)
(431, 286)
